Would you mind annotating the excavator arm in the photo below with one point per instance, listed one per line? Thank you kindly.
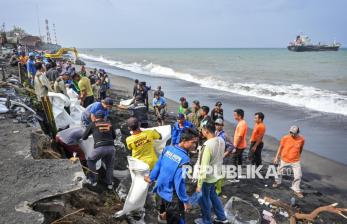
(62, 51)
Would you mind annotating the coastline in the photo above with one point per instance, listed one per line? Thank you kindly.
(318, 171)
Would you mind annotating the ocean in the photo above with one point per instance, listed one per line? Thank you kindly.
(308, 89)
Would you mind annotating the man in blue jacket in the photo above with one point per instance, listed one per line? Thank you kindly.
(178, 128)
(170, 177)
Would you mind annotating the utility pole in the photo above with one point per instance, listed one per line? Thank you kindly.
(48, 33)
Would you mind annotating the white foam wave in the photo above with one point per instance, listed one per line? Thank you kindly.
(294, 94)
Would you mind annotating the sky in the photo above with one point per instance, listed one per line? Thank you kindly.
(180, 23)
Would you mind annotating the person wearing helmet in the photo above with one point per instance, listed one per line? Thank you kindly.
(289, 155)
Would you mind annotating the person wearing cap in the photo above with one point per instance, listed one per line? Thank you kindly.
(170, 177)
(59, 83)
(104, 136)
(182, 102)
(31, 68)
(141, 94)
(240, 135)
(86, 91)
(289, 154)
(229, 147)
(104, 106)
(217, 111)
(141, 143)
(257, 139)
(179, 127)
(139, 110)
(159, 105)
(194, 116)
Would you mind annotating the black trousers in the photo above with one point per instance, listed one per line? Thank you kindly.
(174, 210)
(237, 157)
(255, 157)
(87, 101)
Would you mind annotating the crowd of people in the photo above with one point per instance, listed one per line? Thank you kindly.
(197, 125)
(196, 129)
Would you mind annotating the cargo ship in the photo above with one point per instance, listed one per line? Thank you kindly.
(303, 43)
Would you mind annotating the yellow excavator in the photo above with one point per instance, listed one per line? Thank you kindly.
(62, 51)
(59, 54)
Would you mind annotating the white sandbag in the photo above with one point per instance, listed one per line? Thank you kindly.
(3, 109)
(87, 147)
(165, 132)
(72, 94)
(76, 111)
(126, 102)
(139, 187)
(59, 99)
(61, 117)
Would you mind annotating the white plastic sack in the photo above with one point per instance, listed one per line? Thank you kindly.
(126, 102)
(72, 94)
(76, 111)
(239, 211)
(139, 187)
(61, 117)
(87, 147)
(165, 132)
(59, 99)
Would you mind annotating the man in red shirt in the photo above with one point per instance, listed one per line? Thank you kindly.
(240, 134)
(289, 153)
(257, 139)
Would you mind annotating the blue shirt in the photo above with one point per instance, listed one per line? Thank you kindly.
(228, 145)
(31, 67)
(92, 109)
(159, 102)
(177, 130)
(168, 173)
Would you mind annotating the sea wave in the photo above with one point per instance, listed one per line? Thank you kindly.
(294, 94)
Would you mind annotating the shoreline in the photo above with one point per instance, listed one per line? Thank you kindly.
(322, 177)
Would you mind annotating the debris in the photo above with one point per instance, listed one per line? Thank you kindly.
(269, 217)
(256, 196)
(15, 132)
(3, 109)
(295, 215)
(239, 211)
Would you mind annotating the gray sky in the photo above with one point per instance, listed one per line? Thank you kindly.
(181, 23)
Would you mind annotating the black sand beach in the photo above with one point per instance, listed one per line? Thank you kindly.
(326, 176)
(320, 184)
